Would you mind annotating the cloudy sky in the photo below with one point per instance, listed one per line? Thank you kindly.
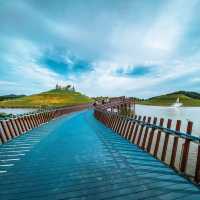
(104, 47)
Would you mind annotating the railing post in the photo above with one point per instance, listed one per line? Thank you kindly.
(10, 128)
(158, 138)
(2, 134)
(18, 126)
(145, 133)
(132, 126)
(14, 126)
(37, 120)
(197, 170)
(123, 124)
(110, 120)
(118, 122)
(6, 130)
(151, 135)
(128, 128)
(21, 124)
(186, 148)
(164, 152)
(25, 124)
(141, 131)
(125, 127)
(115, 119)
(136, 130)
(175, 145)
(30, 121)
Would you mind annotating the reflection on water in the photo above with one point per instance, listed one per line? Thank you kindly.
(16, 111)
(182, 113)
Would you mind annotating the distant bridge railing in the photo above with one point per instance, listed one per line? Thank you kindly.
(16, 126)
(179, 150)
(117, 104)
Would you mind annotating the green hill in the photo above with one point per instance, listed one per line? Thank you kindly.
(52, 98)
(187, 98)
(10, 96)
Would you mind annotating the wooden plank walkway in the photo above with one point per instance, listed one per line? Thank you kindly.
(77, 157)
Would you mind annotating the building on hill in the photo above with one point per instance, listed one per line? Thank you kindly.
(58, 87)
(67, 87)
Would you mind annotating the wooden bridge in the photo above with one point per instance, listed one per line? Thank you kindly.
(70, 154)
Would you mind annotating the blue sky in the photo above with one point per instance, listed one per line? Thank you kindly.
(106, 47)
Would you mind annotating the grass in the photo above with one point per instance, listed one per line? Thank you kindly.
(52, 98)
(169, 99)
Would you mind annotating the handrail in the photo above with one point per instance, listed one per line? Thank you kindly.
(183, 135)
(136, 129)
(15, 126)
(38, 111)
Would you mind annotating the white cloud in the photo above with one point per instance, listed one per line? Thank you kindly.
(7, 83)
(103, 80)
(111, 38)
(30, 76)
(167, 31)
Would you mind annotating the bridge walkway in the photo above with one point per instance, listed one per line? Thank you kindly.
(77, 157)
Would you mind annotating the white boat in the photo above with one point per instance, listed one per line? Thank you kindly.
(177, 103)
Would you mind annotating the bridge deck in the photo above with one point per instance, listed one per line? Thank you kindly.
(76, 157)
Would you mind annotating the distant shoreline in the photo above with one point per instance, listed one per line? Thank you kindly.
(165, 105)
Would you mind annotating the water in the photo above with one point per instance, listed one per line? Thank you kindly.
(184, 114)
(16, 111)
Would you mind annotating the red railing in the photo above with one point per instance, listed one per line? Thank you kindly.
(179, 150)
(14, 127)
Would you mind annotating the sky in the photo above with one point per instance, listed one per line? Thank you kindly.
(137, 48)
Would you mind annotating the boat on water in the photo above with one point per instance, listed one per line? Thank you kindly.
(177, 104)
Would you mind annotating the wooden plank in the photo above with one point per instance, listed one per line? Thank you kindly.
(145, 133)
(2, 134)
(25, 123)
(158, 138)
(175, 145)
(10, 128)
(13, 123)
(197, 169)
(132, 126)
(166, 140)
(128, 129)
(118, 124)
(151, 135)
(6, 130)
(141, 131)
(125, 127)
(21, 124)
(135, 130)
(115, 119)
(18, 125)
(186, 148)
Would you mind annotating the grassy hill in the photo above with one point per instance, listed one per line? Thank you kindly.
(10, 96)
(52, 98)
(187, 98)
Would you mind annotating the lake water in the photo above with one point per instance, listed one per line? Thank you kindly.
(16, 111)
(184, 114)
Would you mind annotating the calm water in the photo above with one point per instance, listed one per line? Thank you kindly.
(16, 111)
(183, 113)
